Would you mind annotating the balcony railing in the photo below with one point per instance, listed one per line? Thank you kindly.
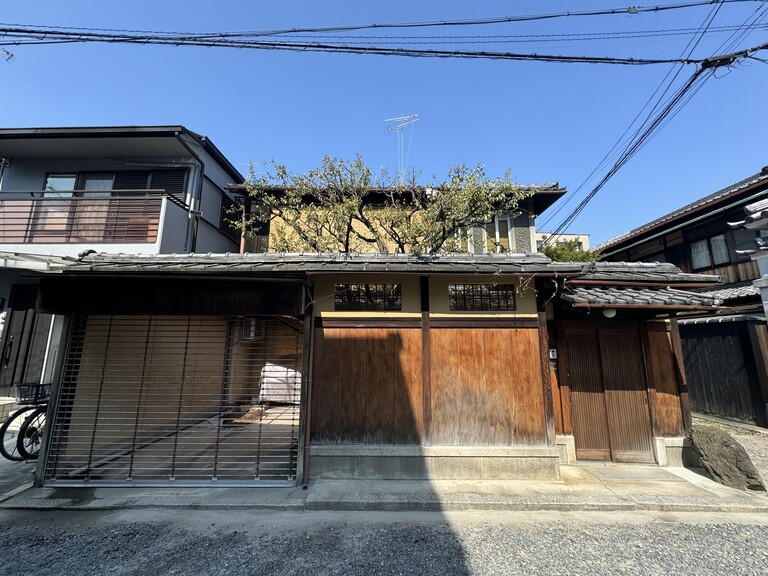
(122, 217)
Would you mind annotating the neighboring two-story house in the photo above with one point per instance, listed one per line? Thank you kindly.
(149, 190)
(726, 355)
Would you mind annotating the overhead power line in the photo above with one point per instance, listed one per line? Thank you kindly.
(434, 23)
(647, 130)
(19, 37)
(625, 139)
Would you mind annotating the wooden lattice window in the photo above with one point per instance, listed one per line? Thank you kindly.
(481, 297)
(368, 297)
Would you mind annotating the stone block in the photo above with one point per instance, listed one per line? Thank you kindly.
(724, 459)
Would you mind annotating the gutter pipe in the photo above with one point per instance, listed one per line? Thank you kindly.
(190, 243)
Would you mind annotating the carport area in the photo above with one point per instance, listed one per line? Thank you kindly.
(149, 396)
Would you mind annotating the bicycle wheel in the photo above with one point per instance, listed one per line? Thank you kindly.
(31, 434)
(9, 432)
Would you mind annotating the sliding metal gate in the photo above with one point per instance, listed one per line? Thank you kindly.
(178, 399)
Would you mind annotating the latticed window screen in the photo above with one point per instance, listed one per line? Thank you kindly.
(368, 297)
(176, 398)
(481, 297)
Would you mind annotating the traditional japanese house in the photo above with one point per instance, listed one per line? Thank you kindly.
(265, 369)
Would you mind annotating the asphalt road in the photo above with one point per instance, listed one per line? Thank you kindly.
(362, 543)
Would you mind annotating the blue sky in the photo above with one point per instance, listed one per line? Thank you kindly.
(544, 122)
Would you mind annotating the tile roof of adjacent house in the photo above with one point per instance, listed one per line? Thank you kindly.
(695, 206)
(756, 218)
(735, 291)
(620, 296)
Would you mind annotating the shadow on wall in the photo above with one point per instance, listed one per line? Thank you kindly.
(368, 418)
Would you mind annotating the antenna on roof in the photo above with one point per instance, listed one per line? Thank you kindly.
(401, 123)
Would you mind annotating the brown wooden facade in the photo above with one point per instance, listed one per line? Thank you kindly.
(462, 379)
(617, 386)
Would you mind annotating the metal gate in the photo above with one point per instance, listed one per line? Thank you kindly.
(154, 400)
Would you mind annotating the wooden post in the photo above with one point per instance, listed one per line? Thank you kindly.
(549, 413)
(426, 363)
(682, 383)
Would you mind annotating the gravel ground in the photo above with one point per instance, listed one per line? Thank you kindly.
(240, 543)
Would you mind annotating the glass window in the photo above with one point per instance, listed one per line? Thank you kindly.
(700, 255)
(497, 234)
(719, 250)
(98, 184)
(490, 234)
(503, 239)
(368, 297)
(59, 185)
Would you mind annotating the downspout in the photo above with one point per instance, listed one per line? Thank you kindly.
(190, 242)
(4, 162)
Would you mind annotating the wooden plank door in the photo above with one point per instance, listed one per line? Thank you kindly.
(605, 370)
(590, 421)
(626, 397)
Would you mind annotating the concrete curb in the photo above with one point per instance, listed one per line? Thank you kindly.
(393, 503)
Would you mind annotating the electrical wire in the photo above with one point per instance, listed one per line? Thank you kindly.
(699, 77)
(431, 24)
(672, 108)
(17, 37)
(666, 84)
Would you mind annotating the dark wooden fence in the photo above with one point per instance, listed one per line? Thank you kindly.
(723, 371)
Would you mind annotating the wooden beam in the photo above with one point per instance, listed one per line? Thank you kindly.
(546, 386)
(426, 378)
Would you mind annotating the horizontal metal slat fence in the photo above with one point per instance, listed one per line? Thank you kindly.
(177, 399)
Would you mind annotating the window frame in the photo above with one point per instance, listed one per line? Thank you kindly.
(497, 305)
(390, 298)
(497, 239)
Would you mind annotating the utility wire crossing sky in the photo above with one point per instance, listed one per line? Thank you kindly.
(666, 102)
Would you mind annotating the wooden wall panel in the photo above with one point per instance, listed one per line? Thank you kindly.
(408, 403)
(486, 387)
(665, 399)
(445, 387)
(325, 390)
(367, 386)
(529, 418)
(500, 403)
(352, 385)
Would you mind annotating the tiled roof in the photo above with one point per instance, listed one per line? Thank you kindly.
(657, 272)
(504, 263)
(617, 296)
(756, 218)
(733, 291)
(325, 262)
(723, 319)
(761, 176)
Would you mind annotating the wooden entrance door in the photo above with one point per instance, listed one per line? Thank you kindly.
(611, 418)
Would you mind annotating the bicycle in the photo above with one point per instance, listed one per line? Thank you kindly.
(22, 433)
